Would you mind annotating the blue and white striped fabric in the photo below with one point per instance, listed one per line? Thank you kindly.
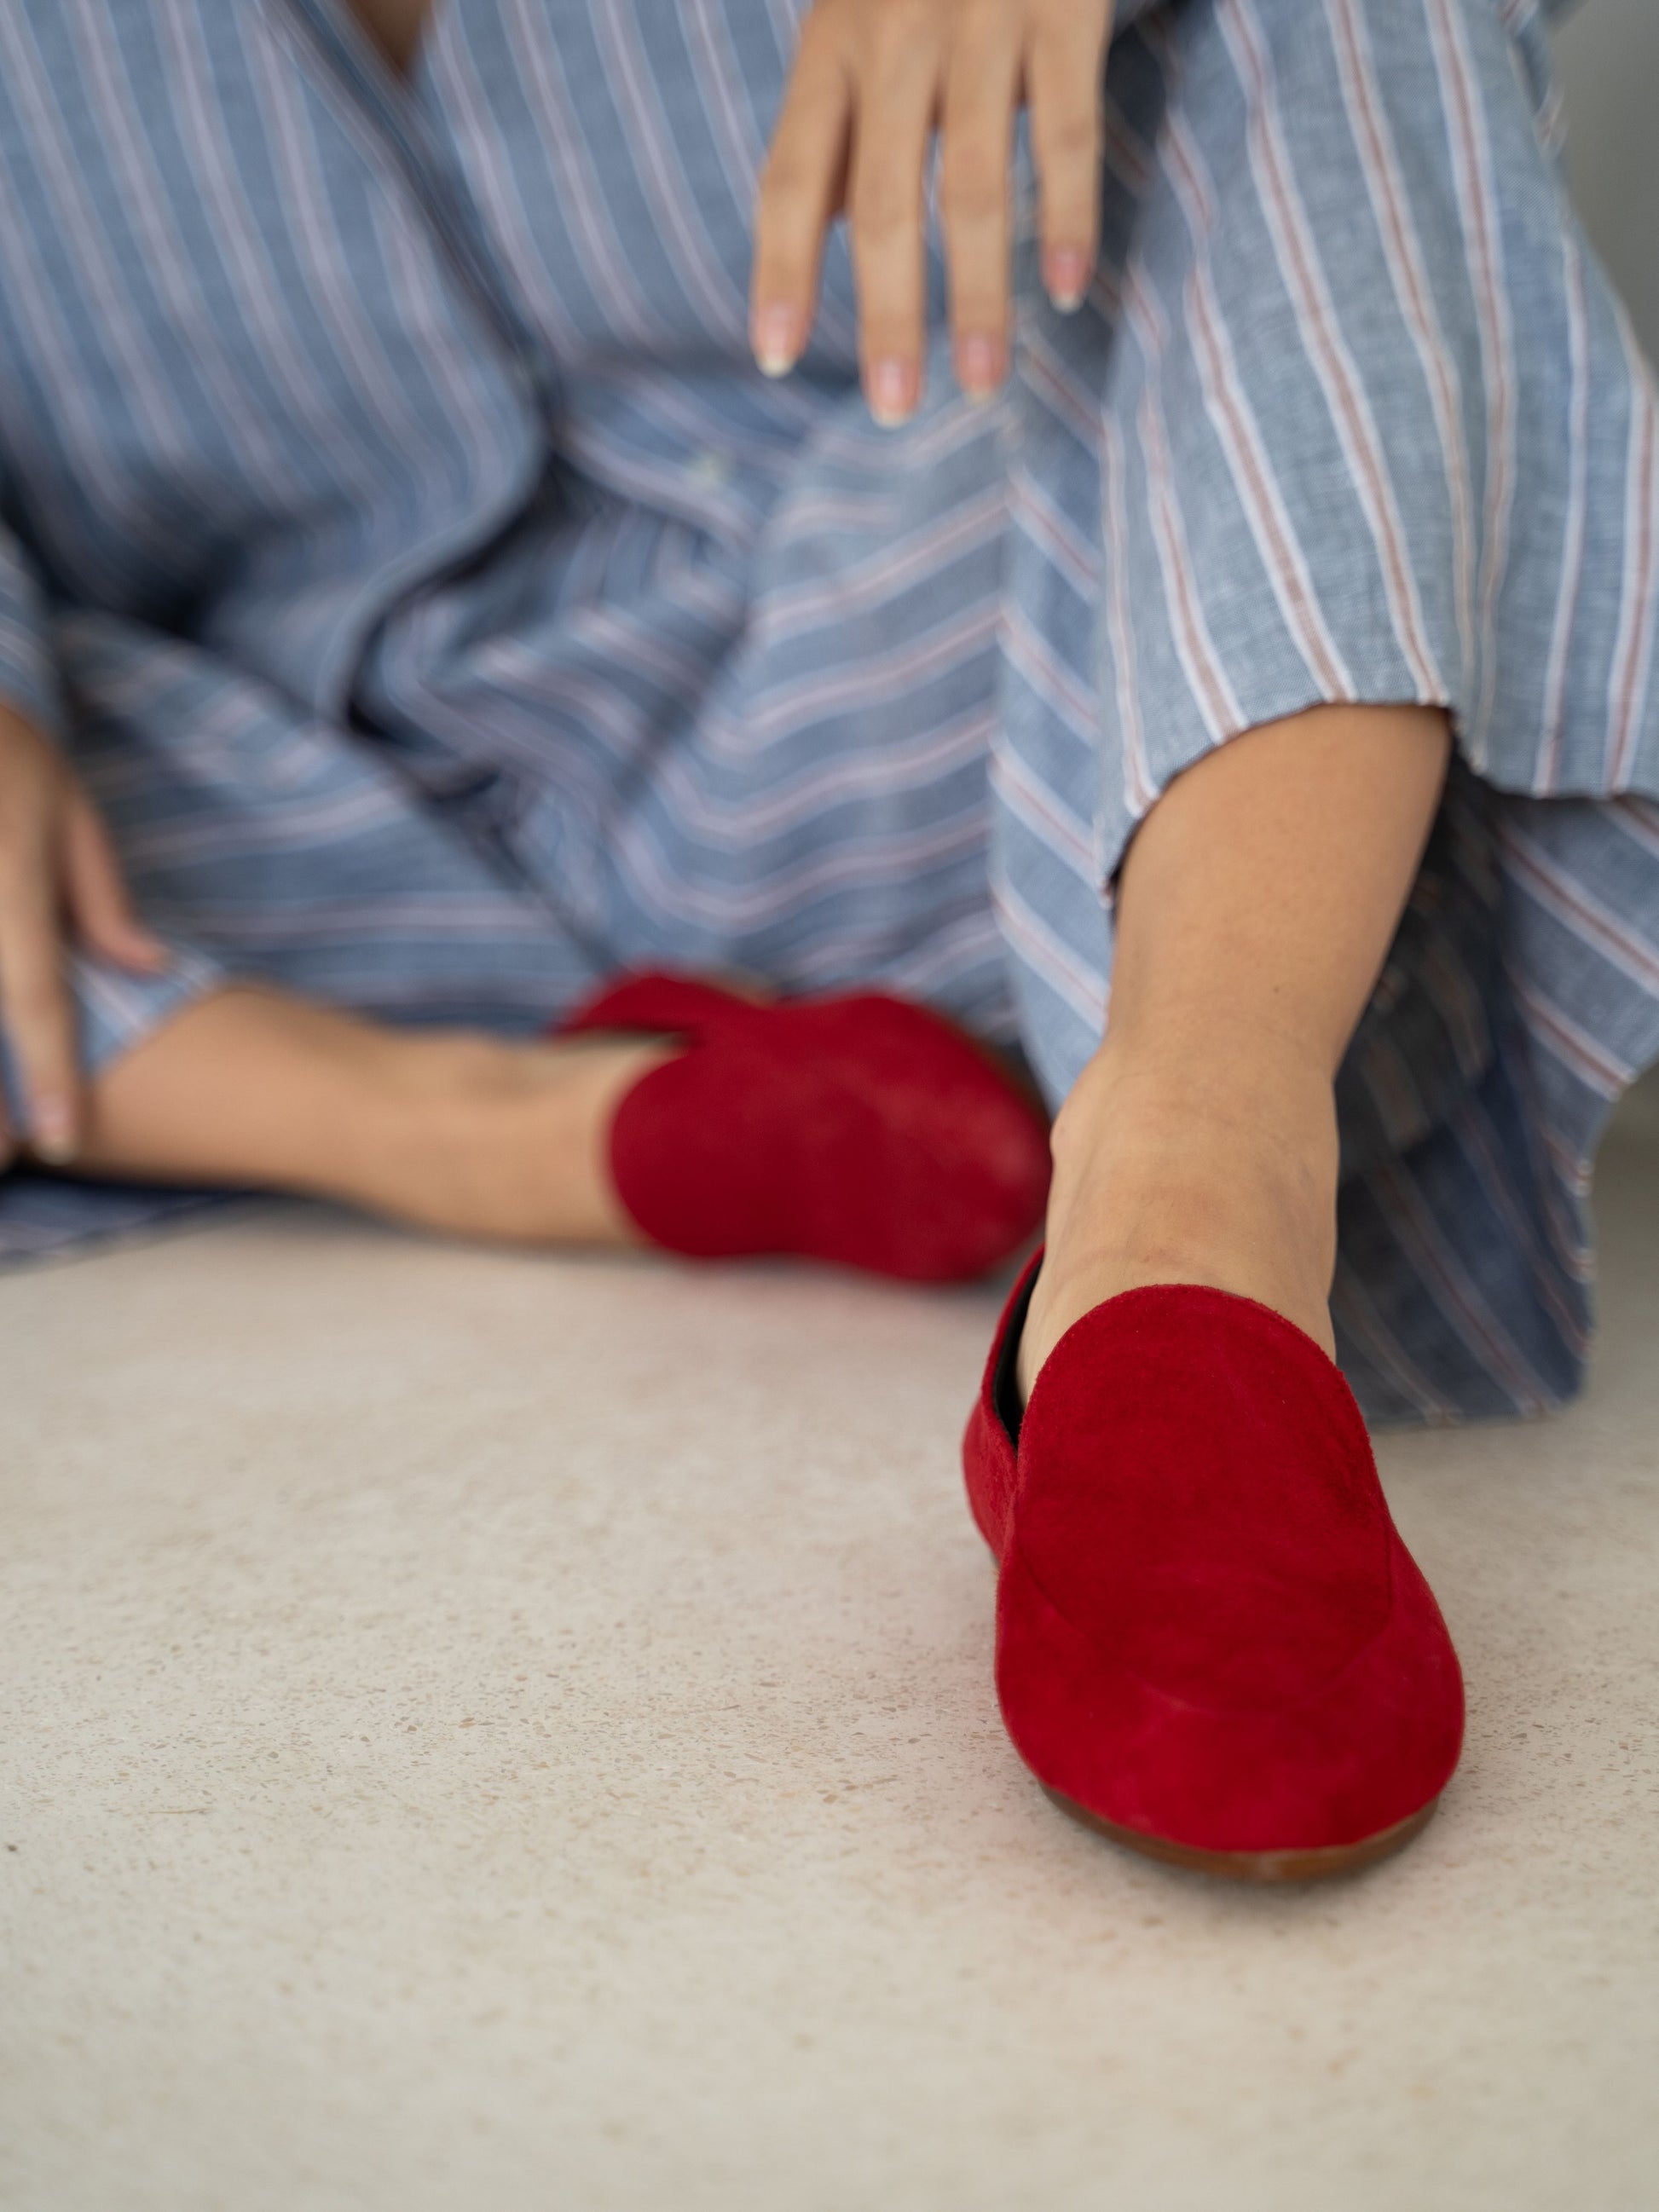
(445, 613)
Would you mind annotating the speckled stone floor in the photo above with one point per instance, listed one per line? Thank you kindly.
(487, 1732)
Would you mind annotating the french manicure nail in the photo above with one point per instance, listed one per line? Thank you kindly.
(890, 401)
(52, 1132)
(777, 341)
(979, 365)
(1067, 278)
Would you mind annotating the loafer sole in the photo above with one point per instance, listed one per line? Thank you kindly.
(1264, 1868)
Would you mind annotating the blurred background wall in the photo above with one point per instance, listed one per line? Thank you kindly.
(1608, 51)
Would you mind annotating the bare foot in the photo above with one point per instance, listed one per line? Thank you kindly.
(1221, 1176)
(452, 1131)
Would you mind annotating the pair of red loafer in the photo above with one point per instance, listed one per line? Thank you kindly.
(1211, 1641)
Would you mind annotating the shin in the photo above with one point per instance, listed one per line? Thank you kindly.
(1255, 909)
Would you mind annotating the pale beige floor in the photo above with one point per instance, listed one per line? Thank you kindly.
(487, 1732)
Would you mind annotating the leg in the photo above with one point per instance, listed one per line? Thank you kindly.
(1257, 906)
(858, 1130)
(455, 1131)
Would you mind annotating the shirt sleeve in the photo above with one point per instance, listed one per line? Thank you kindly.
(28, 673)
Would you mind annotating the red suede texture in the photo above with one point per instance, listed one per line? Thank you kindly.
(858, 1130)
(1207, 1627)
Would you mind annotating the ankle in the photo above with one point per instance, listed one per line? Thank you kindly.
(1222, 1173)
(498, 1139)
(1204, 1114)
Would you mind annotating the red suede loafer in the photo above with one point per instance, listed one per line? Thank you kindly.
(1211, 1641)
(859, 1130)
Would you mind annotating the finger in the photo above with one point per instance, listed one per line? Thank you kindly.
(898, 97)
(35, 1003)
(100, 905)
(1063, 69)
(982, 92)
(800, 193)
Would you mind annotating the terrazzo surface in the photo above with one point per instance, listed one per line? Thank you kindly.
(486, 1731)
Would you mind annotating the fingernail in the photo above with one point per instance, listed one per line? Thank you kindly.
(892, 396)
(777, 340)
(1066, 276)
(979, 365)
(52, 1132)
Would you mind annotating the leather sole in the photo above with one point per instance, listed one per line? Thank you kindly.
(1316, 1864)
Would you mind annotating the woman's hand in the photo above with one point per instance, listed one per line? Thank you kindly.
(59, 874)
(873, 79)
